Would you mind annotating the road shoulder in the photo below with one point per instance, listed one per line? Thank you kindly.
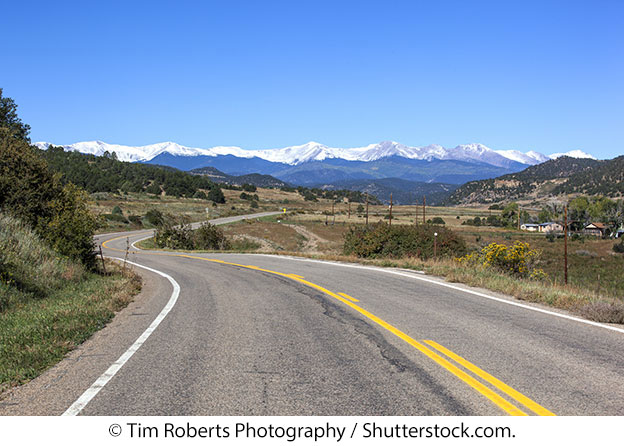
(56, 389)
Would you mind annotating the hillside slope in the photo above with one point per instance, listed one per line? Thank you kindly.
(107, 174)
(535, 182)
(256, 179)
(403, 191)
(606, 178)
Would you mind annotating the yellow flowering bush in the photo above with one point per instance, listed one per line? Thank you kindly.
(518, 260)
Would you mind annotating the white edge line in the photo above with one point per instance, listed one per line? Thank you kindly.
(140, 240)
(447, 285)
(99, 384)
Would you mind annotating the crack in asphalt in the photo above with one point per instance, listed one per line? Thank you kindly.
(388, 352)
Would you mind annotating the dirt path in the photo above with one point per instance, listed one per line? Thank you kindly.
(311, 239)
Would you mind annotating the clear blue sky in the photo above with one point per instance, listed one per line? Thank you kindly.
(546, 76)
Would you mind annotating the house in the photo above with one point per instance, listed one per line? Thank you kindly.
(619, 233)
(597, 229)
(550, 226)
(531, 227)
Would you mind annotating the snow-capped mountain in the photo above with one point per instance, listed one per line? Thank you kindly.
(314, 151)
(531, 157)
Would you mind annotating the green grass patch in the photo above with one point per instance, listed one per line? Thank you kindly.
(36, 333)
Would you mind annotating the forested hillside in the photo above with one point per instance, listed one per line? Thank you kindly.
(403, 191)
(536, 181)
(107, 174)
(607, 178)
(255, 179)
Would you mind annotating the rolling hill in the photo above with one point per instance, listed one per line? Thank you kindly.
(256, 179)
(403, 191)
(564, 175)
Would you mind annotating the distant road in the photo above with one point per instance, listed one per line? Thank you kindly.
(250, 334)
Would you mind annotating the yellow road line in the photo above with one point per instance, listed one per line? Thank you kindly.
(468, 379)
(478, 386)
(352, 299)
(522, 399)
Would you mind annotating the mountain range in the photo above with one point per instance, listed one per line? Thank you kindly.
(317, 165)
(313, 151)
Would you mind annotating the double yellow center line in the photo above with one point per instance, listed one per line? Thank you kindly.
(444, 357)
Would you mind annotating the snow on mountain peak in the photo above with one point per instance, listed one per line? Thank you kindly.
(314, 151)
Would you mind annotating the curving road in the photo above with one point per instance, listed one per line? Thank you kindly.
(269, 335)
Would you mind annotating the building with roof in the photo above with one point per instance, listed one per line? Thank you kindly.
(597, 229)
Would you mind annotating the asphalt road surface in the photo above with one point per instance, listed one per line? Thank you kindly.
(250, 334)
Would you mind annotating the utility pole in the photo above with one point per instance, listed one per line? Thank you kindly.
(435, 246)
(565, 245)
(416, 216)
(424, 208)
(333, 215)
(367, 209)
(390, 221)
(349, 209)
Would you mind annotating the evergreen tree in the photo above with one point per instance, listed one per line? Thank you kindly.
(10, 121)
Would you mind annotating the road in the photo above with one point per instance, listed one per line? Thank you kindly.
(256, 334)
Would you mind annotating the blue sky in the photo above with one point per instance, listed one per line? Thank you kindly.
(545, 76)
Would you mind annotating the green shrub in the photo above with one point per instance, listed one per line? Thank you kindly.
(473, 222)
(32, 193)
(381, 240)
(215, 194)
(619, 247)
(72, 225)
(154, 217)
(209, 236)
(117, 211)
(28, 265)
(173, 237)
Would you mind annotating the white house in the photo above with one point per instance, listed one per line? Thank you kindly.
(550, 226)
(531, 227)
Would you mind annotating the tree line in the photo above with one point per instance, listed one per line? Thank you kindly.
(108, 174)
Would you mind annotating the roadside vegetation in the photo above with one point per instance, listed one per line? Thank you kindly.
(49, 304)
(52, 295)
(206, 237)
